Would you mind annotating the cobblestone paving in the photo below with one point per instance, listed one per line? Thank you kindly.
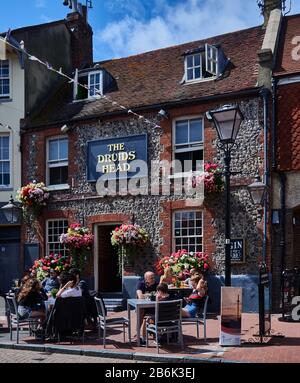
(24, 356)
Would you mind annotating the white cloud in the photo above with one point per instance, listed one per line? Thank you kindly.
(175, 24)
(40, 3)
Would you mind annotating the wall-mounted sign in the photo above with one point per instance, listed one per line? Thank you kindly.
(231, 316)
(237, 250)
(117, 157)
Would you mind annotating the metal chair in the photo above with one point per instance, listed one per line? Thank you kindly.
(199, 319)
(68, 318)
(104, 322)
(167, 321)
(14, 318)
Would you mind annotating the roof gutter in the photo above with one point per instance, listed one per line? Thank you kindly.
(165, 105)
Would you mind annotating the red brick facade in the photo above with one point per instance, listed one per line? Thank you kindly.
(288, 127)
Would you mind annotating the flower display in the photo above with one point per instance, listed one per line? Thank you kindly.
(182, 262)
(127, 235)
(212, 178)
(56, 262)
(78, 240)
(33, 197)
(77, 237)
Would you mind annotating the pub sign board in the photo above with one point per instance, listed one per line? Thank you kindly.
(237, 250)
(117, 157)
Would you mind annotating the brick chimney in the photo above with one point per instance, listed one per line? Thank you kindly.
(82, 39)
(267, 7)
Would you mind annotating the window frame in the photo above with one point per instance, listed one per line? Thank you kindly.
(60, 163)
(100, 72)
(209, 59)
(88, 75)
(47, 248)
(187, 236)
(198, 145)
(7, 95)
(193, 67)
(4, 134)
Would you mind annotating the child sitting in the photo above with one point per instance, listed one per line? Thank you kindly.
(161, 295)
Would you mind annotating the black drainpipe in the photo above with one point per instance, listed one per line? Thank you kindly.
(282, 179)
(274, 124)
(282, 244)
(265, 96)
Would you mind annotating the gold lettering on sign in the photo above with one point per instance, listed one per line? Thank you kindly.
(108, 160)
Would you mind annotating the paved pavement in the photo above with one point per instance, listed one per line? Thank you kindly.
(275, 350)
(23, 356)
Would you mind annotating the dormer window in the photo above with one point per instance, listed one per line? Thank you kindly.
(97, 81)
(204, 63)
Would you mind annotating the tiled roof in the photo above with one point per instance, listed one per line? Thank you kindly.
(155, 78)
(287, 64)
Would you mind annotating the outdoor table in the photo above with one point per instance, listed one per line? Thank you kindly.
(138, 304)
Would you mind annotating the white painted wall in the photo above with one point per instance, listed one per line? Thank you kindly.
(10, 114)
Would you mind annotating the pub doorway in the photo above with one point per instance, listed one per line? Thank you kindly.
(108, 279)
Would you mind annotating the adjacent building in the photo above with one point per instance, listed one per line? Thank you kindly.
(25, 87)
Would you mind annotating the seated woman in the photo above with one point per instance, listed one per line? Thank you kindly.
(69, 286)
(31, 299)
(161, 295)
(167, 276)
(188, 280)
(196, 298)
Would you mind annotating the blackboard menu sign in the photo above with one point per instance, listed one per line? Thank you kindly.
(237, 250)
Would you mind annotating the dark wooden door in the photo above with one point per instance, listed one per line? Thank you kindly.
(109, 280)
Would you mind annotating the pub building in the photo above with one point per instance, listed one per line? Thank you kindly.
(78, 136)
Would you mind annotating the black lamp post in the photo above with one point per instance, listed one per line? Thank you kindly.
(11, 211)
(227, 121)
(257, 191)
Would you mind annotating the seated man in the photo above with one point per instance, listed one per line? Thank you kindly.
(146, 286)
(51, 282)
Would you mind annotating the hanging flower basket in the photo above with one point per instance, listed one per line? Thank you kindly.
(33, 197)
(127, 238)
(211, 178)
(56, 262)
(79, 241)
(183, 262)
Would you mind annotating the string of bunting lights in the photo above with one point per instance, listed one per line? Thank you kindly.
(71, 80)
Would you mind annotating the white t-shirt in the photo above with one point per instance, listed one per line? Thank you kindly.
(72, 292)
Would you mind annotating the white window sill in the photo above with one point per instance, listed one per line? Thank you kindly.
(90, 99)
(58, 187)
(5, 99)
(187, 82)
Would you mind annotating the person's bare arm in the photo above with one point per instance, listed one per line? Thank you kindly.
(60, 291)
(201, 287)
(140, 294)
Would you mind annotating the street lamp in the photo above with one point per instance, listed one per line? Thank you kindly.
(227, 121)
(257, 191)
(11, 211)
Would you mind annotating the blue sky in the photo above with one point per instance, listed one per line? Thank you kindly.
(126, 27)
